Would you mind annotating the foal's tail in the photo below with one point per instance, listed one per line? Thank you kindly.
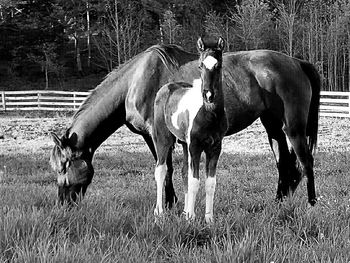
(312, 123)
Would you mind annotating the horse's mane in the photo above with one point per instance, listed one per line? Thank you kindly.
(172, 57)
(103, 87)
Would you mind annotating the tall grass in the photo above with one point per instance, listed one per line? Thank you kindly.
(115, 222)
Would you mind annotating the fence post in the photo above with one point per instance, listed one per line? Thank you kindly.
(3, 100)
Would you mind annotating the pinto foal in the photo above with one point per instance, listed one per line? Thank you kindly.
(195, 116)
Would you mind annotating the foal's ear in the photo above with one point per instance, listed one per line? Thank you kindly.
(56, 139)
(200, 44)
(221, 44)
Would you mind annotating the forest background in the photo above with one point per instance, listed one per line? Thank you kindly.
(72, 44)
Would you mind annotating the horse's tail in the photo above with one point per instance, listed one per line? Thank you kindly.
(312, 123)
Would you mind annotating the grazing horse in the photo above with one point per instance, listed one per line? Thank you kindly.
(282, 91)
(195, 116)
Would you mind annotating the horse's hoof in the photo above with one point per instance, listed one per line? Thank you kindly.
(313, 201)
(171, 203)
(209, 219)
(158, 211)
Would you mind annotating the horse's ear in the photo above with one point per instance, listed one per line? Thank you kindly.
(56, 139)
(221, 43)
(200, 44)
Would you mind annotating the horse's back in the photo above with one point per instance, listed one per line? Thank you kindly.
(263, 80)
(271, 69)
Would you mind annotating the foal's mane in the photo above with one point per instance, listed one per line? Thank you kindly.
(172, 57)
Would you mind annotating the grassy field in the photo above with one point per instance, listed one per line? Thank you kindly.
(115, 222)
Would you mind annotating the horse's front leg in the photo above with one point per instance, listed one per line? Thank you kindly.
(212, 156)
(193, 179)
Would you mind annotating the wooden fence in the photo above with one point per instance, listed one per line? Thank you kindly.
(333, 104)
(43, 100)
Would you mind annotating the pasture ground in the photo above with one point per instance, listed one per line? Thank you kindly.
(115, 223)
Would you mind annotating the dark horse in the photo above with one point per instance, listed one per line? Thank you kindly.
(195, 116)
(283, 91)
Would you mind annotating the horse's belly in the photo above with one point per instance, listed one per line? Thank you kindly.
(240, 116)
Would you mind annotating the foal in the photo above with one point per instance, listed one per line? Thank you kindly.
(195, 116)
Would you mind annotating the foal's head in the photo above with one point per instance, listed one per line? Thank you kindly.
(210, 62)
(74, 169)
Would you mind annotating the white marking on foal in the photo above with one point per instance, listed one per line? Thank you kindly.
(159, 175)
(191, 101)
(62, 178)
(193, 187)
(210, 62)
(186, 202)
(210, 184)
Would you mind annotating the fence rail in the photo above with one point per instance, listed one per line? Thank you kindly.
(333, 104)
(43, 100)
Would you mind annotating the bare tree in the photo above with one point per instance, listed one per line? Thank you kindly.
(251, 20)
(288, 23)
(170, 28)
(218, 25)
(126, 22)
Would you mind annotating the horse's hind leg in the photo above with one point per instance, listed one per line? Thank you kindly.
(287, 172)
(299, 143)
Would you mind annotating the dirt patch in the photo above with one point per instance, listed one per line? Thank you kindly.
(32, 134)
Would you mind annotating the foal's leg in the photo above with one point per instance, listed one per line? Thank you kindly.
(184, 173)
(288, 174)
(163, 147)
(170, 197)
(194, 155)
(163, 141)
(212, 156)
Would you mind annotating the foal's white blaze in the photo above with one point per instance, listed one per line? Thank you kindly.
(210, 184)
(191, 101)
(159, 174)
(210, 62)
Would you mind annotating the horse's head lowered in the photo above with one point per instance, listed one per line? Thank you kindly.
(210, 62)
(74, 169)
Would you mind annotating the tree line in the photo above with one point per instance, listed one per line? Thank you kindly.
(53, 39)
